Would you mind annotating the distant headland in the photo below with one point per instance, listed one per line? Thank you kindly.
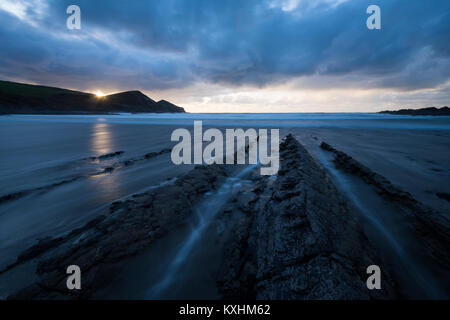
(20, 98)
(444, 111)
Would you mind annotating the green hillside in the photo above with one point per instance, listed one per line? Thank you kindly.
(20, 98)
(28, 90)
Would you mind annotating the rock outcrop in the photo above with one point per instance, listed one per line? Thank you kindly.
(431, 227)
(289, 236)
(295, 238)
(101, 246)
(444, 111)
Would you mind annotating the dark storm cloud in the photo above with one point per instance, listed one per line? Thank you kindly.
(174, 43)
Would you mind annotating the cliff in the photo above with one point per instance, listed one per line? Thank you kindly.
(18, 98)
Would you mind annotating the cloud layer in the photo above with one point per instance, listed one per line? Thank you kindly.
(174, 44)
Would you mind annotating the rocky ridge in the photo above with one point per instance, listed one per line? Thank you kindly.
(295, 238)
(290, 236)
(431, 227)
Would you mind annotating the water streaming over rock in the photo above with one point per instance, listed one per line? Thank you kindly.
(392, 237)
(205, 213)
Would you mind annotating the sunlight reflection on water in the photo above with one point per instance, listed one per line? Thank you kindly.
(101, 142)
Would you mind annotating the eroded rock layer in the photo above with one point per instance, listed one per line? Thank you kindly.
(289, 236)
(295, 238)
(430, 226)
(102, 246)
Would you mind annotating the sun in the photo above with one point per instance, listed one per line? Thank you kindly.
(99, 94)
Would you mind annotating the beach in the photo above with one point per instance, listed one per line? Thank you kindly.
(58, 173)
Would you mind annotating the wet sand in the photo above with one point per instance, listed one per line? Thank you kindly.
(36, 155)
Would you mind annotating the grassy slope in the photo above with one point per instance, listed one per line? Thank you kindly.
(28, 90)
(26, 98)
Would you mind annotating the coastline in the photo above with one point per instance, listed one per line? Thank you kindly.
(366, 146)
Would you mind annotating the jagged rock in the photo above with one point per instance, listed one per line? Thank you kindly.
(444, 196)
(109, 155)
(107, 170)
(432, 111)
(431, 227)
(291, 236)
(300, 242)
(101, 247)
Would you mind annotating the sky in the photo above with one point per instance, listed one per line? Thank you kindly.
(236, 55)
